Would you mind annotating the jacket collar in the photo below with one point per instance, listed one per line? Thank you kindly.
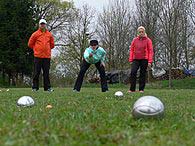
(142, 38)
(95, 49)
(42, 31)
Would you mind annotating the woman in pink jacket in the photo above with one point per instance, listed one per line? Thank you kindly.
(141, 56)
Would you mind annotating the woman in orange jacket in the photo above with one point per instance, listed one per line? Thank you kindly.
(141, 56)
(41, 41)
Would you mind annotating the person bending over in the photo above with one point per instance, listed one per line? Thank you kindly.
(92, 55)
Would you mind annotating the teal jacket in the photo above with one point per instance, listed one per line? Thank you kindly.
(98, 55)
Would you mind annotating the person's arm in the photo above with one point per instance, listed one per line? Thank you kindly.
(131, 52)
(150, 52)
(32, 41)
(52, 42)
(86, 54)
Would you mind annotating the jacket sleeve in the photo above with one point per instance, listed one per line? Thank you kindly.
(131, 52)
(150, 51)
(86, 54)
(52, 42)
(32, 41)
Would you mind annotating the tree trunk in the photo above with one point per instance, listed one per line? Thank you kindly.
(170, 68)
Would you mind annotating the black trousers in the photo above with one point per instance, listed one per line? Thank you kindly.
(85, 65)
(142, 64)
(44, 64)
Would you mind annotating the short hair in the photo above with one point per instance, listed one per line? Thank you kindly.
(93, 42)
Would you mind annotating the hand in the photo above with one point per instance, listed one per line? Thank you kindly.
(102, 64)
(90, 55)
(149, 65)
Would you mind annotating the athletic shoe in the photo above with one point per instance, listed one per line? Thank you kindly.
(35, 90)
(75, 90)
(130, 91)
(105, 90)
(50, 90)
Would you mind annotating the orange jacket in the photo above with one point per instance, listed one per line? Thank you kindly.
(41, 43)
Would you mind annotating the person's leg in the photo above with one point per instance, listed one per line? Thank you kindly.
(46, 67)
(142, 77)
(81, 74)
(133, 75)
(37, 70)
(101, 70)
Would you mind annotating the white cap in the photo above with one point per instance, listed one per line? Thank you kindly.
(42, 21)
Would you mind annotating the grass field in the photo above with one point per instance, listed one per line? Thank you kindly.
(91, 118)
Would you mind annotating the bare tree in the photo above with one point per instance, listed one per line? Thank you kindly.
(75, 40)
(147, 15)
(167, 23)
(173, 20)
(56, 12)
(191, 14)
(115, 31)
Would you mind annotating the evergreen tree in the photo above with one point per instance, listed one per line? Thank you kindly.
(16, 26)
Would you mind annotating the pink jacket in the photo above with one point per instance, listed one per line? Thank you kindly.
(141, 48)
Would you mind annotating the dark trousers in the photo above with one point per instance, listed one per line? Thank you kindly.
(142, 64)
(85, 65)
(44, 64)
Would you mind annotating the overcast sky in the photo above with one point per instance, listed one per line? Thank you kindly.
(97, 4)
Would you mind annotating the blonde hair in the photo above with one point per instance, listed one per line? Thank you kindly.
(141, 27)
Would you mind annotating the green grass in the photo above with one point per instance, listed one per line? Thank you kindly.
(91, 118)
(187, 83)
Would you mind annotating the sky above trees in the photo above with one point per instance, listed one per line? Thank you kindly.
(97, 4)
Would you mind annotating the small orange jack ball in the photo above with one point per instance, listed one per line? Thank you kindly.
(49, 106)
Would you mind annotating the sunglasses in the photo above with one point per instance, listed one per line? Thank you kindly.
(141, 31)
(94, 45)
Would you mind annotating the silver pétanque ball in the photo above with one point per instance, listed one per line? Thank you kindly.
(148, 106)
(25, 101)
(118, 93)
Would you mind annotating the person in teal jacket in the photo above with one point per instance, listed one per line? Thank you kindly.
(93, 55)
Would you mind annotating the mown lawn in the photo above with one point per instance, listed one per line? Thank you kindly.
(91, 118)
